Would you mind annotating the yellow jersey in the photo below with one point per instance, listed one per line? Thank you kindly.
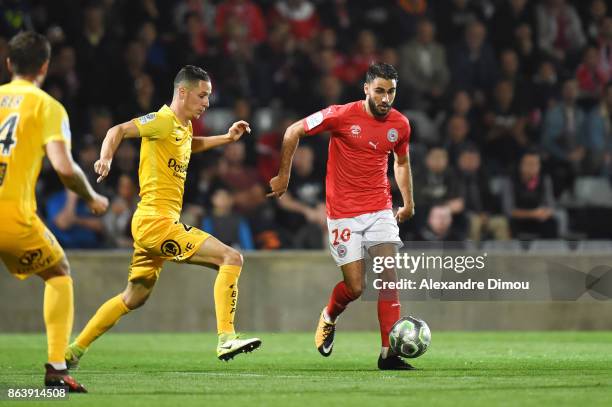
(29, 119)
(164, 156)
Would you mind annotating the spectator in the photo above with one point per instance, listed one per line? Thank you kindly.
(505, 129)
(472, 62)
(364, 53)
(100, 120)
(545, 88)
(462, 105)
(526, 50)
(424, 69)
(156, 55)
(240, 18)
(508, 17)
(528, 201)
(597, 13)
(71, 222)
(480, 204)
(63, 70)
(560, 33)
(591, 78)
(117, 221)
(142, 100)
(436, 185)
(93, 45)
(301, 15)
(457, 134)
(240, 178)
(600, 133)
(565, 139)
(455, 19)
(226, 225)
(439, 226)
(605, 47)
(510, 71)
(304, 202)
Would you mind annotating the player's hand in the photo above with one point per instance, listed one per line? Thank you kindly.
(238, 129)
(102, 167)
(278, 186)
(98, 204)
(404, 213)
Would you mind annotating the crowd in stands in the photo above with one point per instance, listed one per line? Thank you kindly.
(510, 103)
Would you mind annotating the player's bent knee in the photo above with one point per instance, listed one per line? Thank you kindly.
(232, 257)
(137, 293)
(355, 290)
(60, 269)
(134, 302)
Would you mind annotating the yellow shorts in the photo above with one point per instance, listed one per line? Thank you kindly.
(157, 239)
(27, 249)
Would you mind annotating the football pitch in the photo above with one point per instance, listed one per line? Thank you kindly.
(476, 368)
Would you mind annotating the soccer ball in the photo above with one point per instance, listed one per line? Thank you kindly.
(409, 337)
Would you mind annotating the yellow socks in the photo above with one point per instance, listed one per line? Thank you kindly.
(59, 314)
(107, 315)
(226, 297)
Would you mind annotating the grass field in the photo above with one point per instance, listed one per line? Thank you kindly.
(488, 369)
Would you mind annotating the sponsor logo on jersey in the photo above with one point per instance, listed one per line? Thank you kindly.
(392, 135)
(177, 166)
(314, 120)
(170, 248)
(341, 250)
(146, 118)
(355, 130)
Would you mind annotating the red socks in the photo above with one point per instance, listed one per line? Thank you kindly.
(389, 310)
(340, 298)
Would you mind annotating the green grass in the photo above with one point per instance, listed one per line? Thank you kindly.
(460, 369)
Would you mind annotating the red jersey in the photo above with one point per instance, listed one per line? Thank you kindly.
(359, 149)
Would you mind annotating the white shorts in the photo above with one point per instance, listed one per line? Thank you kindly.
(349, 237)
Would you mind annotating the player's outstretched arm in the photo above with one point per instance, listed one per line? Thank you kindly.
(403, 177)
(234, 133)
(279, 184)
(72, 176)
(111, 142)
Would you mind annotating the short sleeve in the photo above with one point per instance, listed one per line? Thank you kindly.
(323, 120)
(153, 125)
(401, 148)
(55, 123)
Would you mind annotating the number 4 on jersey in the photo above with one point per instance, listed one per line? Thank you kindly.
(7, 131)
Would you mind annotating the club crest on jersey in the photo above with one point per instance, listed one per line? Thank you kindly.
(170, 248)
(355, 130)
(392, 135)
(146, 118)
(341, 250)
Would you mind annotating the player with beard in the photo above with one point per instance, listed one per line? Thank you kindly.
(358, 196)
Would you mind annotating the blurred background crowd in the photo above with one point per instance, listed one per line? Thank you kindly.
(510, 103)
